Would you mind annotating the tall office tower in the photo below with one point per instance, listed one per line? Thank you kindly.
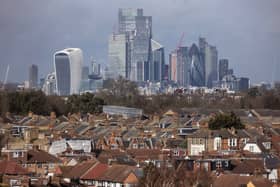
(173, 66)
(157, 64)
(183, 66)
(197, 67)
(223, 68)
(138, 29)
(127, 19)
(211, 65)
(33, 76)
(118, 56)
(68, 71)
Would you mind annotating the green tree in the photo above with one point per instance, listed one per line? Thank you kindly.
(225, 121)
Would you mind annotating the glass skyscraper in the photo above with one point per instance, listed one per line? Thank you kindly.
(211, 65)
(33, 76)
(118, 56)
(130, 53)
(68, 71)
(197, 67)
(157, 64)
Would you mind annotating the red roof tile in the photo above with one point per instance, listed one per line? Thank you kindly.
(95, 171)
(11, 168)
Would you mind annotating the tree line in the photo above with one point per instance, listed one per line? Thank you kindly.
(125, 93)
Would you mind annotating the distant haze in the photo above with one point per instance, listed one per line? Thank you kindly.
(245, 31)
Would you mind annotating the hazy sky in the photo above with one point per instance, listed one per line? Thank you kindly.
(245, 31)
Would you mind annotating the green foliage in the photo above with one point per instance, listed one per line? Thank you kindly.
(225, 121)
(85, 103)
(39, 103)
(254, 92)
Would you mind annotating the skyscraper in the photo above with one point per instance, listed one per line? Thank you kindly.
(223, 68)
(197, 67)
(183, 66)
(157, 64)
(68, 71)
(136, 33)
(211, 65)
(173, 66)
(33, 76)
(118, 56)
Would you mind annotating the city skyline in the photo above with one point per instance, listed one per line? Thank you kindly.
(246, 45)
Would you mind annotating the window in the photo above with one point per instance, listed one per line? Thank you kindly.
(135, 146)
(251, 148)
(226, 164)
(15, 154)
(176, 152)
(218, 164)
(232, 142)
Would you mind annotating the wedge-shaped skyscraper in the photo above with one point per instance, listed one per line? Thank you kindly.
(68, 71)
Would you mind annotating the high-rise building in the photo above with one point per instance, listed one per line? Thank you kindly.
(211, 65)
(68, 71)
(173, 66)
(118, 56)
(136, 31)
(197, 67)
(127, 19)
(183, 66)
(157, 64)
(223, 68)
(33, 76)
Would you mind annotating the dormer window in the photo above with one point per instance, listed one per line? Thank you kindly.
(134, 146)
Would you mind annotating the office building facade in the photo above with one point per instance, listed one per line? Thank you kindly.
(211, 65)
(118, 56)
(197, 75)
(223, 68)
(157, 63)
(68, 71)
(130, 50)
(33, 76)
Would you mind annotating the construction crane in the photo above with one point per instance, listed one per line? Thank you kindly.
(6, 77)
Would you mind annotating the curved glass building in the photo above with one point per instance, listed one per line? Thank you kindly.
(68, 71)
(197, 67)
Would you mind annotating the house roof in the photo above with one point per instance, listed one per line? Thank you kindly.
(39, 156)
(11, 168)
(117, 173)
(261, 182)
(249, 167)
(78, 170)
(234, 180)
(95, 171)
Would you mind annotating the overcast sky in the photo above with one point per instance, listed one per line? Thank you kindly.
(245, 31)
